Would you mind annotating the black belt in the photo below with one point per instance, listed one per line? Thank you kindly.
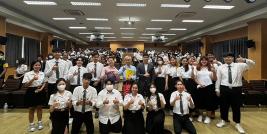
(230, 87)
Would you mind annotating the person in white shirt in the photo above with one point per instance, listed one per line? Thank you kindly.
(21, 69)
(204, 75)
(35, 95)
(65, 57)
(133, 106)
(161, 77)
(60, 103)
(181, 102)
(229, 88)
(109, 101)
(54, 69)
(155, 116)
(83, 100)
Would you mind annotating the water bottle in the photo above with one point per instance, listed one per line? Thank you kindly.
(5, 107)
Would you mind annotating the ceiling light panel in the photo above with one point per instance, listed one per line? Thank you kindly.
(175, 5)
(218, 7)
(45, 3)
(97, 19)
(85, 3)
(131, 4)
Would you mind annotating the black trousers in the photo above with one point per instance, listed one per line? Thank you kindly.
(183, 122)
(72, 87)
(155, 122)
(133, 122)
(60, 120)
(230, 97)
(81, 118)
(107, 128)
(144, 85)
(51, 89)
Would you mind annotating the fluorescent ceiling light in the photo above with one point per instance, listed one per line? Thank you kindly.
(48, 3)
(168, 34)
(85, 3)
(144, 37)
(129, 19)
(64, 18)
(218, 7)
(127, 33)
(127, 28)
(111, 40)
(194, 21)
(103, 28)
(127, 37)
(147, 34)
(77, 27)
(175, 5)
(97, 19)
(130, 4)
(160, 20)
(110, 37)
(178, 29)
(153, 28)
(107, 33)
(85, 33)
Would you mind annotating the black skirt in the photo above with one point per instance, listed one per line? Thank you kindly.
(133, 122)
(205, 98)
(60, 120)
(160, 84)
(33, 99)
(191, 87)
(155, 122)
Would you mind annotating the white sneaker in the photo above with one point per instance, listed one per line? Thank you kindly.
(40, 125)
(31, 127)
(207, 120)
(70, 121)
(239, 128)
(221, 124)
(199, 119)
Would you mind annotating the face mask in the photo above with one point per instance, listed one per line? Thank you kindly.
(50, 57)
(1, 57)
(61, 87)
(109, 87)
(160, 62)
(152, 90)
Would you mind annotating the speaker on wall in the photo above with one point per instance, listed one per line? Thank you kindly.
(3, 40)
(250, 44)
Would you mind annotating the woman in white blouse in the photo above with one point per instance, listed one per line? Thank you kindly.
(161, 80)
(60, 103)
(133, 106)
(204, 75)
(155, 116)
(35, 95)
(21, 69)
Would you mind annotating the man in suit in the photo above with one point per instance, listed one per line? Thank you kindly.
(145, 73)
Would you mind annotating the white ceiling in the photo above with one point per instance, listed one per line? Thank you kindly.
(109, 10)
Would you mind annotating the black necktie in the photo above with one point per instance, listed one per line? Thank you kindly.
(57, 71)
(79, 77)
(95, 71)
(181, 104)
(230, 74)
(84, 98)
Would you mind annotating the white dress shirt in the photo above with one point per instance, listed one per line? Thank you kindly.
(109, 111)
(135, 106)
(186, 103)
(22, 69)
(73, 78)
(237, 70)
(153, 101)
(51, 74)
(164, 71)
(61, 99)
(203, 76)
(172, 71)
(183, 73)
(91, 68)
(69, 64)
(36, 83)
(91, 95)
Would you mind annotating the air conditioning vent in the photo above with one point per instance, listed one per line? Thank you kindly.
(74, 12)
(185, 15)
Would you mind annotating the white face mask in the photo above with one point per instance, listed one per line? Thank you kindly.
(1, 57)
(50, 57)
(61, 87)
(152, 90)
(109, 87)
(160, 62)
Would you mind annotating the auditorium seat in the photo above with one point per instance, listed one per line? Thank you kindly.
(255, 92)
(6, 92)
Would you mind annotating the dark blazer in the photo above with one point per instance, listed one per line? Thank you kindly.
(140, 70)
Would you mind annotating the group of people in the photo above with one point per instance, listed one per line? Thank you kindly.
(158, 82)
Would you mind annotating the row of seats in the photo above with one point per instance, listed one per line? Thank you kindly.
(255, 92)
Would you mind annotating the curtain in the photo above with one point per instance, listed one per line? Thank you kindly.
(13, 49)
(192, 47)
(236, 46)
(31, 50)
(59, 44)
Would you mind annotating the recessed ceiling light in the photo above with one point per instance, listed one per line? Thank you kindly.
(127, 33)
(194, 21)
(175, 5)
(107, 33)
(48, 3)
(153, 28)
(77, 27)
(127, 28)
(110, 37)
(160, 20)
(85, 33)
(103, 28)
(85, 3)
(218, 7)
(64, 18)
(97, 19)
(168, 34)
(131, 4)
(127, 37)
(178, 29)
(147, 34)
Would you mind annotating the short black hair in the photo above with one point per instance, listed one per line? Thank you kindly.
(87, 76)
(110, 80)
(95, 53)
(61, 79)
(229, 54)
(57, 50)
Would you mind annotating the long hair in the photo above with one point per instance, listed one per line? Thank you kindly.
(176, 64)
(186, 68)
(157, 96)
(159, 57)
(34, 62)
(199, 65)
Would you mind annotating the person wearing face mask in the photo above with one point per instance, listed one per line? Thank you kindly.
(155, 116)
(161, 77)
(109, 101)
(65, 57)
(181, 102)
(50, 56)
(35, 95)
(3, 65)
(133, 106)
(60, 103)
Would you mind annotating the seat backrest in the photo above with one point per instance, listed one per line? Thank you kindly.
(12, 84)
